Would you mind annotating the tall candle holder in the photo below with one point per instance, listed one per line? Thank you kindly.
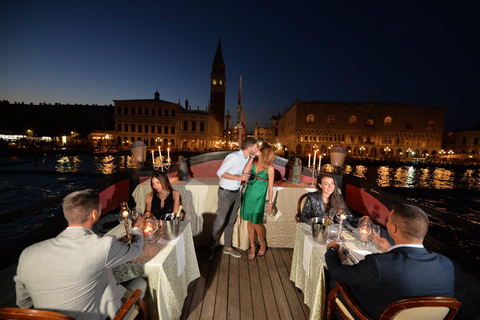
(164, 163)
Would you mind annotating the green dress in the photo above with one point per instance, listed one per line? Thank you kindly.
(253, 204)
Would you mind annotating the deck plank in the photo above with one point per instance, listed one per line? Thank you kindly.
(238, 289)
(256, 293)
(208, 306)
(245, 289)
(233, 309)
(267, 288)
(221, 298)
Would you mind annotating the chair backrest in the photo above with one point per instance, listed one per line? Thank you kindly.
(130, 304)
(19, 313)
(427, 308)
(300, 203)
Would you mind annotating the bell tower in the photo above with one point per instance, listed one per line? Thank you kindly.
(217, 86)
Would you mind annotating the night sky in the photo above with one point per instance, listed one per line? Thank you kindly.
(412, 52)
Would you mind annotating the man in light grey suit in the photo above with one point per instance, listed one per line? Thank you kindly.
(72, 273)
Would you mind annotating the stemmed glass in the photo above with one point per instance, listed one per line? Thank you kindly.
(124, 216)
(340, 215)
(375, 236)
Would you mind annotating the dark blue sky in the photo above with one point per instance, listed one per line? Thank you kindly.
(414, 52)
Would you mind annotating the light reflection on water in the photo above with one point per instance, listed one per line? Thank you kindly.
(411, 177)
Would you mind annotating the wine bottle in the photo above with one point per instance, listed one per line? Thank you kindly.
(179, 213)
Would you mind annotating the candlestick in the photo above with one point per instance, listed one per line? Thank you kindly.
(363, 234)
(319, 163)
(309, 155)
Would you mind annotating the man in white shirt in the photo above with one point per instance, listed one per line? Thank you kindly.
(230, 195)
(72, 273)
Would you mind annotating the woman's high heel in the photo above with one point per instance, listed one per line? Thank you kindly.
(262, 253)
(251, 257)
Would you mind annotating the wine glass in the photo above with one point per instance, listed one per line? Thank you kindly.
(340, 215)
(123, 216)
(375, 236)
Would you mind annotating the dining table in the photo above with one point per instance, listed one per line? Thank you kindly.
(308, 266)
(167, 265)
(200, 201)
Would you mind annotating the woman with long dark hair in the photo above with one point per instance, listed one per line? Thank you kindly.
(325, 202)
(163, 199)
(253, 205)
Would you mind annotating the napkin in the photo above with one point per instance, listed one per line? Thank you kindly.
(179, 243)
(307, 252)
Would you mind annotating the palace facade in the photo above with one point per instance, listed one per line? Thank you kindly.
(367, 129)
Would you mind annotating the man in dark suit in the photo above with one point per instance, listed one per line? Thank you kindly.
(406, 270)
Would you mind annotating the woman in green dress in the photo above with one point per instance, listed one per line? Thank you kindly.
(253, 205)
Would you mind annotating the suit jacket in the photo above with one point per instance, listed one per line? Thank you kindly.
(402, 273)
(72, 273)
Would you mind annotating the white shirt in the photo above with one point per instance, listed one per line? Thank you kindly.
(233, 164)
(405, 245)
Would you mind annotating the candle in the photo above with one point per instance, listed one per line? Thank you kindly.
(309, 155)
(314, 158)
(319, 163)
(153, 158)
(160, 152)
(148, 232)
(168, 154)
(363, 234)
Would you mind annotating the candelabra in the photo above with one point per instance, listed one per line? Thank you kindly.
(163, 163)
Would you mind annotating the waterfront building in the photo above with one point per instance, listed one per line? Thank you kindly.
(264, 134)
(463, 143)
(365, 129)
(166, 124)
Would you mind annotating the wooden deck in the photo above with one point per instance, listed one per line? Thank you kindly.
(232, 288)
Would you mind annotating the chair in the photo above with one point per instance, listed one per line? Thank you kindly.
(428, 308)
(19, 313)
(300, 203)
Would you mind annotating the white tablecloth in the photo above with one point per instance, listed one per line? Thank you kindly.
(167, 289)
(200, 201)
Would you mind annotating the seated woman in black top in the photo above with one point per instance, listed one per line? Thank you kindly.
(163, 199)
(326, 202)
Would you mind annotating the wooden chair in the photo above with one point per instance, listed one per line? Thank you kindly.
(19, 313)
(430, 308)
(300, 203)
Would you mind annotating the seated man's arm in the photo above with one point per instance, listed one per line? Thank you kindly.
(24, 300)
(122, 252)
(366, 271)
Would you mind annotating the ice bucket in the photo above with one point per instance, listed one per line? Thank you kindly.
(170, 224)
(318, 230)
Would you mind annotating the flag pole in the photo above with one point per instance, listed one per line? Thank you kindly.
(239, 114)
